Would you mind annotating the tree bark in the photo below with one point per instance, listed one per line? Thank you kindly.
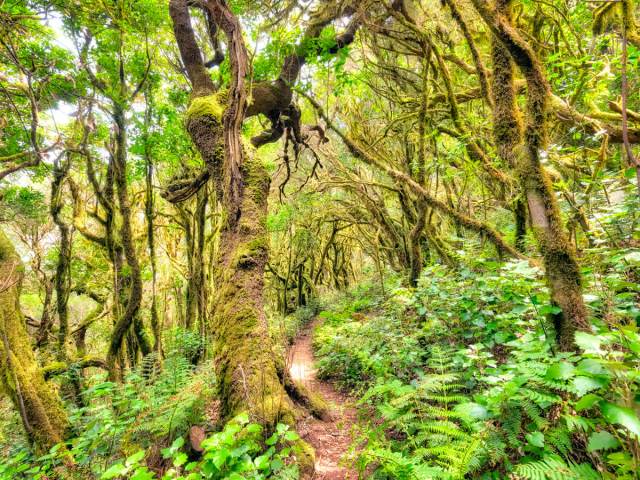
(128, 317)
(44, 419)
(561, 266)
(249, 375)
(63, 267)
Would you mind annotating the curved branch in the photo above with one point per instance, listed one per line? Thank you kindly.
(189, 50)
(471, 224)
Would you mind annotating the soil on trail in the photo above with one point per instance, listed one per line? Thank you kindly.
(331, 439)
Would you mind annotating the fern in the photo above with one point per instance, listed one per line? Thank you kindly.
(552, 467)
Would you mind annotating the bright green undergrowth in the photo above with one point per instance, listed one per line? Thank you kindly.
(465, 381)
(137, 430)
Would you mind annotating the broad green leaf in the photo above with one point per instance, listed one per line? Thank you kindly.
(262, 462)
(560, 371)
(602, 441)
(143, 474)
(584, 385)
(587, 342)
(473, 410)
(177, 443)
(536, 439)
(586, 402)
(550, 310)
(114, 471)
(135, 458)
(615, 414)
(180, 459)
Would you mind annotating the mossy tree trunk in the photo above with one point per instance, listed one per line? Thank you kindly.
(561, 266)
(130, 316)
(63, 267)
(149, 208)
(43, 418)
(250, 376)
(246, 366)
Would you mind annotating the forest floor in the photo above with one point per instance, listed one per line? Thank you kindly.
(330, 439)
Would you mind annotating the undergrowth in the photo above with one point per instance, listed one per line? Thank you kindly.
(465, 381)
(137, 430)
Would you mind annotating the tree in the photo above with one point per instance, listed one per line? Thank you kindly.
(40, 409)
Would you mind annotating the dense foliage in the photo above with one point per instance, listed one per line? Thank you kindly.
(467, 383)
(446, 191)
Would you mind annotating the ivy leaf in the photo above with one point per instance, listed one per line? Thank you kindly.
(615, 414)
(602, 441)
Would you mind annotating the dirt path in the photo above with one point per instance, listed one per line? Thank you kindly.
(331, 439)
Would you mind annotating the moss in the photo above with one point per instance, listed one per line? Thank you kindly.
(20, 376)
(208, 105)
(248, 253)
(305, 456)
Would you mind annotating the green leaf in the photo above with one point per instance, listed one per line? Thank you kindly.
(291, 436)
(114, 471)
(177, 443)
(262, 462)
(583, 385)
(630, 172)
(242, 419)
(536, 439)
(550, 310)
(592, 366)
(143, 474)
(586, 402)
(180, 459)
(602, 441)
(560, 371)
(219, 457)
(272, 439)
(254, 428)
(587, 342)
(615, 414)
(473, 410)
(135, 458)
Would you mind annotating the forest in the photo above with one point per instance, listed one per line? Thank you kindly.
(319, 239)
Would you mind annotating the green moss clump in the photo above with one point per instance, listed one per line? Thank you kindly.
(305, 455)
(208, 105)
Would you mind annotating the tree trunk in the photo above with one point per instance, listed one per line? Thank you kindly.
(249, 375)
(63, 267)
(561, 266)
(245, 362)
(149, 203)
(43, 417)
(126, 237)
